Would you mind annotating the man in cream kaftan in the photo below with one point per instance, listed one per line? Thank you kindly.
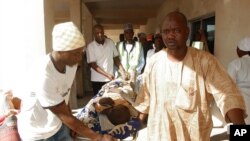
(177, 96)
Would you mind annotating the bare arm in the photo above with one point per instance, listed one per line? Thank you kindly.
(63, 113)
(235, 116)
(94, 66)
(118, 63)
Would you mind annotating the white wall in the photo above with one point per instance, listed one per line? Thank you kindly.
(22, 40)
(232, 24)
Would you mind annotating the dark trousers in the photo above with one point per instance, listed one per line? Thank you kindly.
(62, 135)
(97, 86)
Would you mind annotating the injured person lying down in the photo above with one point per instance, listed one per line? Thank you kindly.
(111, 111)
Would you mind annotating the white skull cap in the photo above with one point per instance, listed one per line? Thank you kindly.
(66, 36)
(244, 44)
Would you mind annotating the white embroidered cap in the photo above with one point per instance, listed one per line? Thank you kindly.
(244, 44)
(66, 36)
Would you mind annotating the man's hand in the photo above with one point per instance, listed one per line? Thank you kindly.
(110, 77)
(125, 75)
(235, 116)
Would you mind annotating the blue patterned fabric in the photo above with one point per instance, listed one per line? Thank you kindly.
(90, 117)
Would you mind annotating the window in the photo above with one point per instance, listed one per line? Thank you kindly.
(207, 24)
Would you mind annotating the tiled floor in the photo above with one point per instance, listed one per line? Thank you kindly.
(218, 133)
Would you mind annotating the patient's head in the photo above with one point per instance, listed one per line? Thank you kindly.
(103, 103)
(118, 114)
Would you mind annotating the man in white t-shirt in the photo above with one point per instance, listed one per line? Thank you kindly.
(101, 57)
(45, 115)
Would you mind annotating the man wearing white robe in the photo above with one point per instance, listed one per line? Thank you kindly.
(179, 84)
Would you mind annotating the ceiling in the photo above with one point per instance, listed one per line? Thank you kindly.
(114, 13)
